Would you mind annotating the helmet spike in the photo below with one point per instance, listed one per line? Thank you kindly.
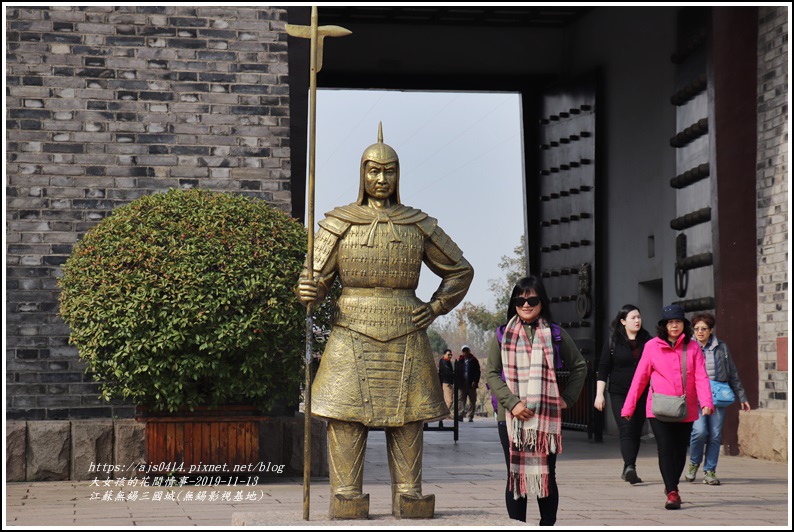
(380, 132)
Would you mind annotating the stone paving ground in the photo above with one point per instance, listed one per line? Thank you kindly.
(467, 479)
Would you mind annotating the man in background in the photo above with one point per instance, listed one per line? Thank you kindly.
(446, 375)
(468, 373)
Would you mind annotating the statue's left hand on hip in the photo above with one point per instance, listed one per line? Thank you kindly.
(425, 315)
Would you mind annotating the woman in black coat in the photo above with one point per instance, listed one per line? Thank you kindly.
(619, 359)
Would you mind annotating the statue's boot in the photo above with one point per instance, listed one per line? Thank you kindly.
(349, 506)
(404, 449)
(413, 507)
(347, 443)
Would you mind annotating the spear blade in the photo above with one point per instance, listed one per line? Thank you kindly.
(304, 32)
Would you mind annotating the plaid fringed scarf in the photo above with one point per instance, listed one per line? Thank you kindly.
(529, 373)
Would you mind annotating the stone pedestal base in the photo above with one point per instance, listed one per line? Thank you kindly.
(764, 434)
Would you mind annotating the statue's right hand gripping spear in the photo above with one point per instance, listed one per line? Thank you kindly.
(316, 34)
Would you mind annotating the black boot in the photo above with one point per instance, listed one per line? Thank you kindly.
(630, 475)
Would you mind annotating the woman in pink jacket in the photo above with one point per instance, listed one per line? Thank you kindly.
(661, 365)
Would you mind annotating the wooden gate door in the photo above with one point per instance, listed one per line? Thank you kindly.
(567, 232)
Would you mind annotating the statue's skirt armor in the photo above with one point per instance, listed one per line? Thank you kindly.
(379, 384)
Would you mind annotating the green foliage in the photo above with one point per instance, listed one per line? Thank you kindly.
(188, 298)
(514, 268)
(476, 324)
(479, 317)
(437, 343)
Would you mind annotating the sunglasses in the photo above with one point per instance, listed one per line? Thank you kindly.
(533, 301)
(702, 329)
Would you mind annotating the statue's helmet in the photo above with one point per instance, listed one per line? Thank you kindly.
(382, 154)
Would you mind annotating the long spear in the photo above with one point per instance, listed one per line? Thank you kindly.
(316, 34)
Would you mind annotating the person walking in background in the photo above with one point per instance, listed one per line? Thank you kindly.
(619, 360)
(661, 366)
(461, 399)
(446, 375)
(707, 430)
(469, 368)
(530, 402)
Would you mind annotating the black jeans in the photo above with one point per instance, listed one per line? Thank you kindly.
(631, 430)
(672, 439)
(517, 508)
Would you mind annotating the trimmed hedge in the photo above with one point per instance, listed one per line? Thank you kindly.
(188, 298)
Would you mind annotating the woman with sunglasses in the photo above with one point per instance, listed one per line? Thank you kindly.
(530, 403)
(707, 430)
(618, 362)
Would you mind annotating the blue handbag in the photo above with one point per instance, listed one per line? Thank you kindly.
(722, 394)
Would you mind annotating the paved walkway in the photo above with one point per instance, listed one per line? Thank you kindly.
(467, 479)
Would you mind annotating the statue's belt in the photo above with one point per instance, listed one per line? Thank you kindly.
(379, 313)
(378, 292)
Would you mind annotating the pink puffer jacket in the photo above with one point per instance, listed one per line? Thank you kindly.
(661, 365)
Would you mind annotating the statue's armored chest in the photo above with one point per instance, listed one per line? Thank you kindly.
(381, 255)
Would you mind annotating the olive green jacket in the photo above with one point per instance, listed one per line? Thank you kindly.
(572, 360)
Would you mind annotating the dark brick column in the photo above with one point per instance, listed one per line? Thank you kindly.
(772, 207)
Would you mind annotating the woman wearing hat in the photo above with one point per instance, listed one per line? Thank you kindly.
(661, 365)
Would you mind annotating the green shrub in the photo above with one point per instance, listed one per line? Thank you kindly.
(188, 298)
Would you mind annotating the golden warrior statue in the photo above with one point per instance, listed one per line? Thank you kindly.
(377, 369)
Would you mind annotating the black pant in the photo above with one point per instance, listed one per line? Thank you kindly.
(469, 393)
(631, 430)
(517, 508)
(672, 439)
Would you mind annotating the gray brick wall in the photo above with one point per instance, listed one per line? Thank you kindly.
(772, 191)
(105, 105)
